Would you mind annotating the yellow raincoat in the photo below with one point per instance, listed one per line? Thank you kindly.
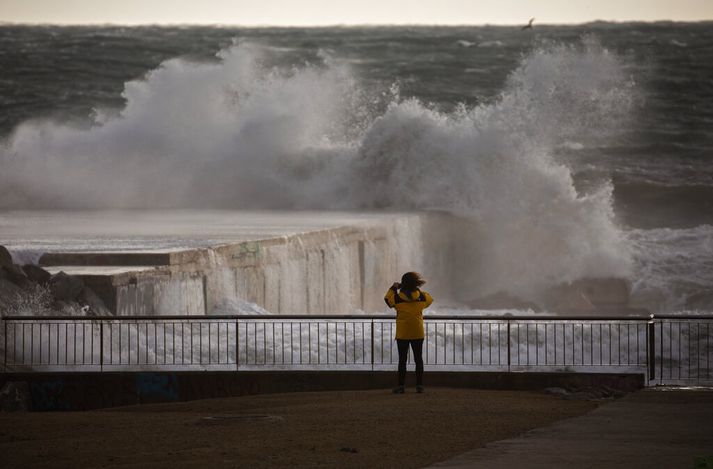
(409, 312)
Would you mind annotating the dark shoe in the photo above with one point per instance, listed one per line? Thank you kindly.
(398, 390)
(420, 389)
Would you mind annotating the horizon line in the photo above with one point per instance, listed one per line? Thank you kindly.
(340, 25)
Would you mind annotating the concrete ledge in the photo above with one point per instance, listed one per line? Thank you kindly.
(105, 259)
(329, 268)
(85, 391)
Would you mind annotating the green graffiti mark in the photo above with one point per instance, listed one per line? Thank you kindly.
(248, 250)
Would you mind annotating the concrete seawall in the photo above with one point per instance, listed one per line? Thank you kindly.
(337, 267)
(84, 391)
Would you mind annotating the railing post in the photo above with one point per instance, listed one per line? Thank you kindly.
(651, 349)
(101, 345)
(237, 347)
(372, 345)
(661, 351)
(4, 366)
(508, 341)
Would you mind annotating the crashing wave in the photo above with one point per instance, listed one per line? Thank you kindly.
(235, 134)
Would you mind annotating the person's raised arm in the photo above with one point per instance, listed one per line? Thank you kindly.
(390, 296)
(429, 299)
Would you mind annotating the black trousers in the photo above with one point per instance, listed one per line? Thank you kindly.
(417, 347)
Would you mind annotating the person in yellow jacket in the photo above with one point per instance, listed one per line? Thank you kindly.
(409, 301)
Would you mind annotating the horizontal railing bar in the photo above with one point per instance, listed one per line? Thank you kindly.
(197, 317)
(686, 317)
(317, 317)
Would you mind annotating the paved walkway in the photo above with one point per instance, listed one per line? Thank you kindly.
(648, 429)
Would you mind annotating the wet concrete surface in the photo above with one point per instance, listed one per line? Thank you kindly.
(653, 428)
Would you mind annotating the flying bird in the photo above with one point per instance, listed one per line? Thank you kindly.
(528, 25)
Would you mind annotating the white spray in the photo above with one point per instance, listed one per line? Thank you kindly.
(235, 134)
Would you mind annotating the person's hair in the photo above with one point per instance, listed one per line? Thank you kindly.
(410, 281)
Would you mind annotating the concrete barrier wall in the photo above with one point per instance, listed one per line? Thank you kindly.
(181, 292)
(333, 271)
(84, 391)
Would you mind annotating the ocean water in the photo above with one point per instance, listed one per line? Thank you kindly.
(581, 150)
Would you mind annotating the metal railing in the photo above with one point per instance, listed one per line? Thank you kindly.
(668, 349)
(681, 350)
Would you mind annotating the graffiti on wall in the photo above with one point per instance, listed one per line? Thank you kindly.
(157, 387)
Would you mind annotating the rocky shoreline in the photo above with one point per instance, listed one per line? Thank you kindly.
(30, 290)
